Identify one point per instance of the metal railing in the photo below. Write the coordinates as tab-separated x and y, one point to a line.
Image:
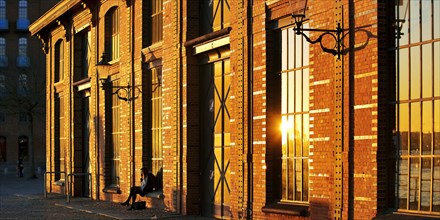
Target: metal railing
69	184
45	182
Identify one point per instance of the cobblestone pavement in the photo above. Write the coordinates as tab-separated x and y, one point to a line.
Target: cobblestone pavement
23	198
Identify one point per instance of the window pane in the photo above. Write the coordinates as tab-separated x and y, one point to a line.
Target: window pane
403	183
291	54
427	127
306	48
427	71
436	186
291	143
298	91
425	184
437	127
437	68
306	90
404	128
298	50
291	179
403	74
415	72
426	20
306	135
436	19
305	180
415	128
298	177
404	14
284	93
284	45
414	184
414	21
291	92
298	136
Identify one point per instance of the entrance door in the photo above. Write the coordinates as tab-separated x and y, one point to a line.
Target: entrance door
216	140
2	149
23	148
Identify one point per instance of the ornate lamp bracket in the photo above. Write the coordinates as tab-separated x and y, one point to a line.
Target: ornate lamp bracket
336	34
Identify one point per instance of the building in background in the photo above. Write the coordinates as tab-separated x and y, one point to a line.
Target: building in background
244	109
22	85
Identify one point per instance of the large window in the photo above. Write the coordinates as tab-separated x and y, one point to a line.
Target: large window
22	88
112	33
59	61
116	137
153	21
216	15
82	55
418	106
59	139
156	121
22	46
294	116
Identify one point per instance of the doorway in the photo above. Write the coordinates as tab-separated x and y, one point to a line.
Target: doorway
216	139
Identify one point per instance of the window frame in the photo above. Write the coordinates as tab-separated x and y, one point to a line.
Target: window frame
417	135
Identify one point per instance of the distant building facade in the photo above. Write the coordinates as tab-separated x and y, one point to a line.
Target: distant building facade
21	80
238	114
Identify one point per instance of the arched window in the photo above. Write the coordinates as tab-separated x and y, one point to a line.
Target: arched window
2	9
2	85
59	60
112	33
2	46
22	9
3	58
22	89
22	46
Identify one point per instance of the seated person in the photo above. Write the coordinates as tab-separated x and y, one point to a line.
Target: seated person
147	185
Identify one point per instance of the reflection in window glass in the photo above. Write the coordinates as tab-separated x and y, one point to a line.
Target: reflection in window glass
404	128
426	127
403	74
414	184
403	13
426	17
436	127
436	186
403	183
418	106
437	68
427	71
415	129
415	72
436	19
414	21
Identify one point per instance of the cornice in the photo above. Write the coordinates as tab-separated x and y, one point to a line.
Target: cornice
52	15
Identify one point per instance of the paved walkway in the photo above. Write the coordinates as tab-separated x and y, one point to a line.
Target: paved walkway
23	198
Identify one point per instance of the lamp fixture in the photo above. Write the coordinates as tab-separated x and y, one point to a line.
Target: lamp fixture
125	93
334	33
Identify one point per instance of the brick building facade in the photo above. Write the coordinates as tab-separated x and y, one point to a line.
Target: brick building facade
238	115
21	85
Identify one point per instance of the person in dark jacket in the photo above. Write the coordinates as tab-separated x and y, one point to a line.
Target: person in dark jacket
148	184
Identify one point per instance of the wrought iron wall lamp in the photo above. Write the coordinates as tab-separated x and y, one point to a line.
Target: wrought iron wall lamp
126	93
336	34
